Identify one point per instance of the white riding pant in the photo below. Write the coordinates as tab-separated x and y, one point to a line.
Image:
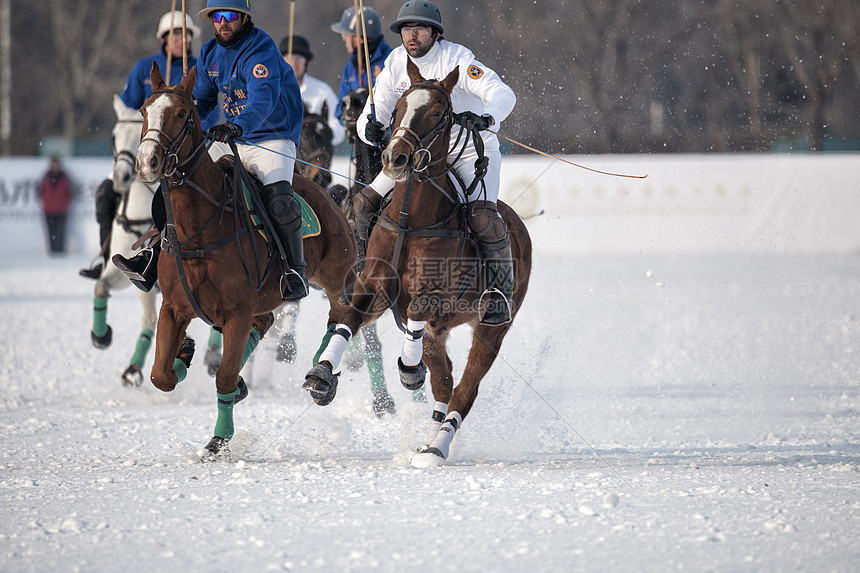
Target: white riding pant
465	169
275	163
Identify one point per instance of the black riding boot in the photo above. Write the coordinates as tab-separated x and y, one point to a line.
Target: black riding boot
106	204
141	269
494	244
365	208
285	213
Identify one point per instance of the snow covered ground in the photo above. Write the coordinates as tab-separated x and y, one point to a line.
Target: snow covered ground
681	411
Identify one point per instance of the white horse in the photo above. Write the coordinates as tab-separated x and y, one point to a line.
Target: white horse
133	220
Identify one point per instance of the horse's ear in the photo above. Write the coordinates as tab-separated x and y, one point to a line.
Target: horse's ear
324	110
187	85
155	78
451	79
412	71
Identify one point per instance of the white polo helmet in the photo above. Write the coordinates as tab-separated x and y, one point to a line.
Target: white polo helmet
174	20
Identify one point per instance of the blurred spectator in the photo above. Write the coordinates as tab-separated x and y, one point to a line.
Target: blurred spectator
56	195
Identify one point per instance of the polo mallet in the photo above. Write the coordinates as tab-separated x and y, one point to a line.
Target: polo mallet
358	58
170	40
367	61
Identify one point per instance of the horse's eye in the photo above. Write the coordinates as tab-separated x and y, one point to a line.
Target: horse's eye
437	114
183	113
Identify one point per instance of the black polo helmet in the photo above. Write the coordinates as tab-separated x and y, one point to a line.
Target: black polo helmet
301	47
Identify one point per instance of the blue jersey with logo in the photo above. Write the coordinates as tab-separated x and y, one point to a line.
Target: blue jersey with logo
351	79
259	89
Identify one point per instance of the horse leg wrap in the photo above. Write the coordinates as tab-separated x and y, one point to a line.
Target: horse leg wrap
224	426
100	326
214	338
413	346
441	444
250	345
144	341
336	346
440	410
373	358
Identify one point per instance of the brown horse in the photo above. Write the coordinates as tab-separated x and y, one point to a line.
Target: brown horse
216	266
421	264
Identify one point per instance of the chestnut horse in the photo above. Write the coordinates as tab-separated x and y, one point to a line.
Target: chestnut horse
421	264
215	265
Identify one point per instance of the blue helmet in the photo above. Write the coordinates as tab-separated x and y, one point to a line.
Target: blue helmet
243	6
349	25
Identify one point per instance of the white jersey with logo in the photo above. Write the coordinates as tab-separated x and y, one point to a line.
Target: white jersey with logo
479	89
315	93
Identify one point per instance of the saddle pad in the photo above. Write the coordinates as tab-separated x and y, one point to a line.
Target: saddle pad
310	222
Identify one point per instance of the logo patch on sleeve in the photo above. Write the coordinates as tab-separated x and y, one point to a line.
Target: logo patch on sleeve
475	72
261	71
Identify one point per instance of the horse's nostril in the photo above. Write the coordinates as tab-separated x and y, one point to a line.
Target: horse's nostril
153	163
399	160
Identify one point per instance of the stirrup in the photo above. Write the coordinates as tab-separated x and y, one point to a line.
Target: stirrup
496	315
296	292
131	266
94	271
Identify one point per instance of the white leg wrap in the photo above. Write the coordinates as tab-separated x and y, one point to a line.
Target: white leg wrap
336	346
440	410
442	441
413	346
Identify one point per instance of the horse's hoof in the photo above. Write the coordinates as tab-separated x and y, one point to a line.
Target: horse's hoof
428	458
132	377
383	404
412	377
287	349
212	360
243	391
102	342
321	383
186	351
217	449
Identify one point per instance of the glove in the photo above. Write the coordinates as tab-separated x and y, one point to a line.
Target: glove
471	120
225	132
374	131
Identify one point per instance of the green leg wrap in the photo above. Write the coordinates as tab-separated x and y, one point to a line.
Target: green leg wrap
99	316
214	338
180	369
253	341
374	366
224	425
328	334
144	341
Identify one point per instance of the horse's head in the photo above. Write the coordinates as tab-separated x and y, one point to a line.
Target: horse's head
421	126
170	125
126	138
351	107
316	148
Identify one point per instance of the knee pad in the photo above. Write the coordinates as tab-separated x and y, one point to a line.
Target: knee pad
486	223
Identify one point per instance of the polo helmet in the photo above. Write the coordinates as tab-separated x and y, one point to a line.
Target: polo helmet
174	20
349	25
243	6
420	11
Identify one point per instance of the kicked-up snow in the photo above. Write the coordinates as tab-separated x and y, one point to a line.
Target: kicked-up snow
693	412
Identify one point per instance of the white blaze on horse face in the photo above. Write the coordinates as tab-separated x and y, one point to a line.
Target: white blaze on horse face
149	146
415	102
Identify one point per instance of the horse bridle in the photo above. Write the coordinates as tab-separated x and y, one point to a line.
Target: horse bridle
171	157
419	147
125	154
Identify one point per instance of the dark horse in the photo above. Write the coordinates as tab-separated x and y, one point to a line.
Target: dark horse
421	264
221	268
316	150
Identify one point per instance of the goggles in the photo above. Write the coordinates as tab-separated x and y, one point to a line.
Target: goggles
229	15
